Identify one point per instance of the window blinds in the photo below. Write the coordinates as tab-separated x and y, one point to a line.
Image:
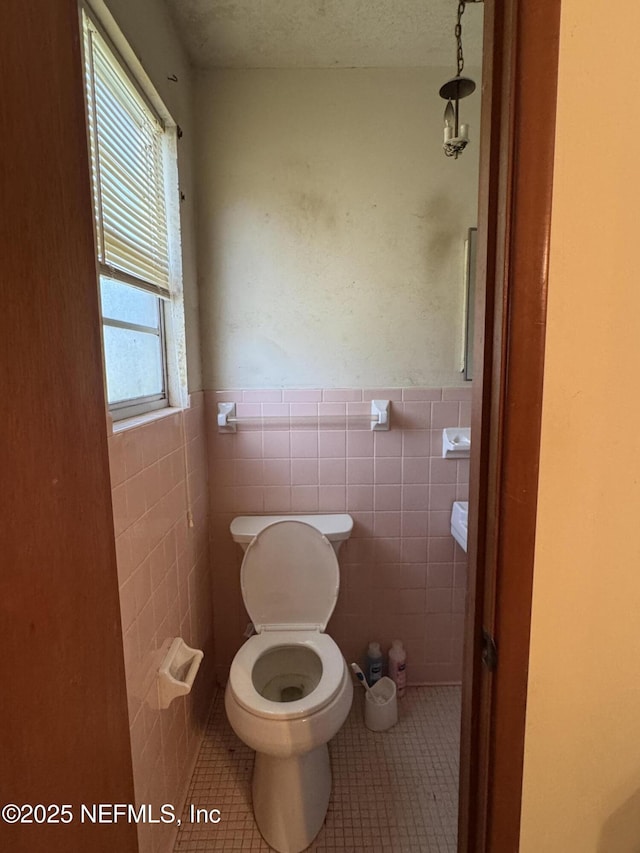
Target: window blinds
127	168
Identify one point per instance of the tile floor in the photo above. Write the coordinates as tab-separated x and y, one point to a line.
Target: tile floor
392	791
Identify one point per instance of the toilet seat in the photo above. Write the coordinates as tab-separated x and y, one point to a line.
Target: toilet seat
290	578
241	683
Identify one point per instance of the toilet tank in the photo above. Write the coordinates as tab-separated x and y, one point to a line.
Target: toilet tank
336	527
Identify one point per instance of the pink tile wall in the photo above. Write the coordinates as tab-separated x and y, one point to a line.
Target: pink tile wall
163	572
402	574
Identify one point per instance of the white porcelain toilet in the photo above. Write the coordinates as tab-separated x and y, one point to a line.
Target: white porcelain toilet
289	688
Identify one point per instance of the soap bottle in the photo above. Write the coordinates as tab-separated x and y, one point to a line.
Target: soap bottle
398	666
374	663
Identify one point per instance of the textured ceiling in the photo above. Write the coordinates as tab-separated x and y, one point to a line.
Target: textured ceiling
326	33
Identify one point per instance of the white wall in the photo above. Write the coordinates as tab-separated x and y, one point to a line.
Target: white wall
582	770
149	31
331	228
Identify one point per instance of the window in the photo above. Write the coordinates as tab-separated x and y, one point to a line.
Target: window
132	152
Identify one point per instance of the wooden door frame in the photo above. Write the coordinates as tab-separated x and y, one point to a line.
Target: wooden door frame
64	728
521	43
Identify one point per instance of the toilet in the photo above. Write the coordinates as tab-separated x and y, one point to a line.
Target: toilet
289	689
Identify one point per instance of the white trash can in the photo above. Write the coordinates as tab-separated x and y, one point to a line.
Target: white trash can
382	714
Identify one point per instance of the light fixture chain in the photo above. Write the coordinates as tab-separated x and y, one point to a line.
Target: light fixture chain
458	35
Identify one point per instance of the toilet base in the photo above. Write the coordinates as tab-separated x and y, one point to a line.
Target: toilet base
291	797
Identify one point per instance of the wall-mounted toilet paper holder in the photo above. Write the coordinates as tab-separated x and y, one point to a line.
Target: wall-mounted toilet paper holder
177	671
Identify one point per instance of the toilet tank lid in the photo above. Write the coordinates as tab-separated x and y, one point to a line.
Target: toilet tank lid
335	526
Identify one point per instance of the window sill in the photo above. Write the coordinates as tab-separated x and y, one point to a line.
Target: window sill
114	427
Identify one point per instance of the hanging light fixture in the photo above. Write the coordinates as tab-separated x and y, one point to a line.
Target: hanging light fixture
456	134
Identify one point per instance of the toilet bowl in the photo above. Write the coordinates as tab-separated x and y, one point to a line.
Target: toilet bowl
289	689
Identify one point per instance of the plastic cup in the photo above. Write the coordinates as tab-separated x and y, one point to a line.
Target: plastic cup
382	714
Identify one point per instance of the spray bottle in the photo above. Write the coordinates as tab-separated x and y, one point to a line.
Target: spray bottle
374	663
398	666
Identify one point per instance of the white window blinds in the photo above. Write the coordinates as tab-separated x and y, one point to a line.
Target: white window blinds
127	142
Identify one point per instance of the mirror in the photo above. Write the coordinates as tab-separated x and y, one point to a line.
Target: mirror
470	286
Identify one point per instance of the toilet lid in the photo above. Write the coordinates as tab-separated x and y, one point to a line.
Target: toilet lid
290	577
